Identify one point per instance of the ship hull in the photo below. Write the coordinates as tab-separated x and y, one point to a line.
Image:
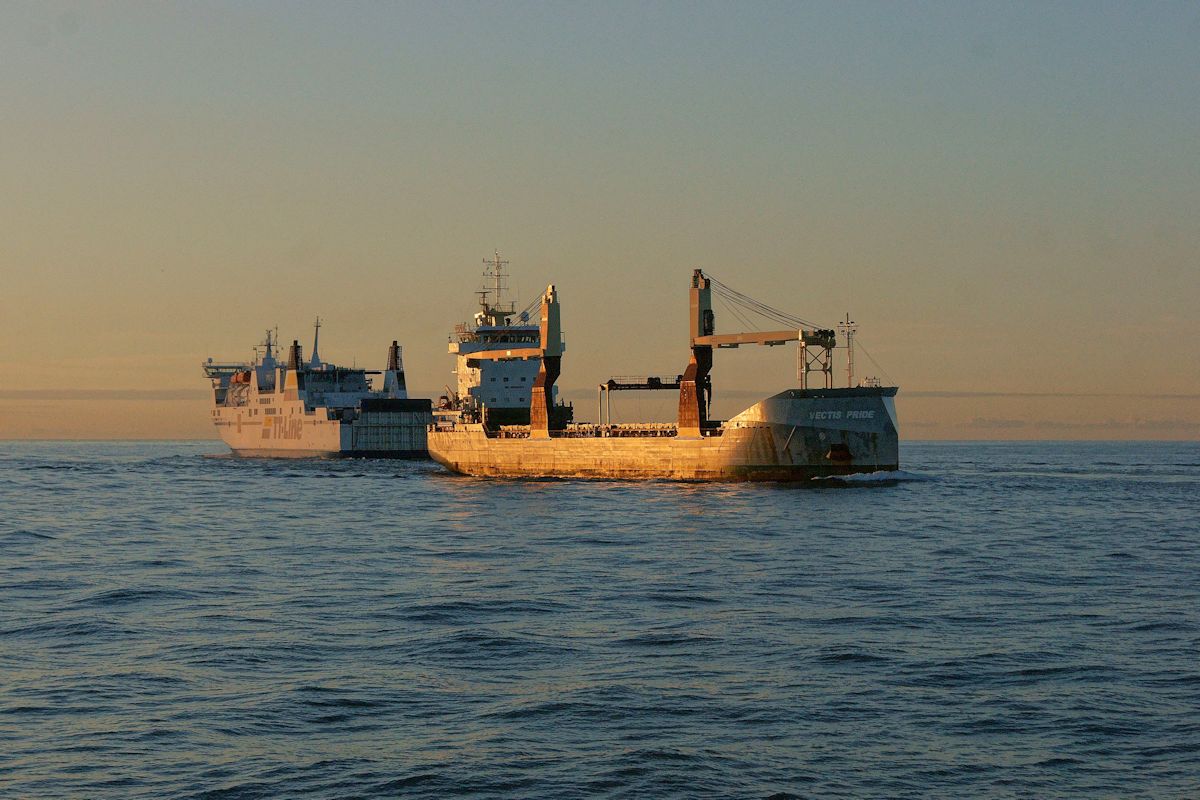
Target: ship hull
380	429
265	453
796	435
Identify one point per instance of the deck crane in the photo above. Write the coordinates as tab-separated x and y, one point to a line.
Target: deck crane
695	387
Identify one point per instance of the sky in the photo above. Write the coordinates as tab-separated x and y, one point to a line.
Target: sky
1004	196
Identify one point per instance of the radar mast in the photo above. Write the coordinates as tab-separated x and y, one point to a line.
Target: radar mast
493	309
315	363
268	345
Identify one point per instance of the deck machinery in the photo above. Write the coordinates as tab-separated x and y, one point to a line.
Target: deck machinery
797	434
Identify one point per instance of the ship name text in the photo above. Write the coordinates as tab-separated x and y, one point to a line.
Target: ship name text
841	415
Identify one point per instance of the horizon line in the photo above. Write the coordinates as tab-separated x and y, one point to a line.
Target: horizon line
198	393
217	440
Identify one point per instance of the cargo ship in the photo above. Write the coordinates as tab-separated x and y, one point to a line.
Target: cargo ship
298	408
795	435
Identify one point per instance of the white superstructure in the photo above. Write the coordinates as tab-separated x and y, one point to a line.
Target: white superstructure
497	389
315	408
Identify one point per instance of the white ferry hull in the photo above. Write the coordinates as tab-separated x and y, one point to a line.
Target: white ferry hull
374	434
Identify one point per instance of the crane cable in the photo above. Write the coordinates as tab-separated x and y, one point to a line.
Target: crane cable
733	310
527	313
733	300
749	304
858	344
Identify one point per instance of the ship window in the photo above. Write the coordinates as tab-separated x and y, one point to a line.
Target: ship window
522	379
506	380
492	379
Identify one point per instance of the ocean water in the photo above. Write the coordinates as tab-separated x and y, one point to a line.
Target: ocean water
998	620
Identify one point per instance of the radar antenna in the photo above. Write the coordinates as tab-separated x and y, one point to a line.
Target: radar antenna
268	345
494	272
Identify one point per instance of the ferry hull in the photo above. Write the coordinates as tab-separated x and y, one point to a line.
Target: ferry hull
264	453
387	432
796	435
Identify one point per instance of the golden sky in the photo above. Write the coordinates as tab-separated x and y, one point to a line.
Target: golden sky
1006	198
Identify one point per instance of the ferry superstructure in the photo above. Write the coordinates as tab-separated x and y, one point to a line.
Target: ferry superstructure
301	408
795	435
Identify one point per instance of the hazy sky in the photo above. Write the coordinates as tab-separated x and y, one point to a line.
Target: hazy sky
1005	196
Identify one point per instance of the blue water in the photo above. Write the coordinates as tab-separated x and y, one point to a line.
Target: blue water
1000	620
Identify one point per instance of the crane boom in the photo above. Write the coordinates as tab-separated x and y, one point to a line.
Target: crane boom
769	338
695	385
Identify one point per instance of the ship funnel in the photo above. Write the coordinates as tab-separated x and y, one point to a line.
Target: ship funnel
393	376
294	356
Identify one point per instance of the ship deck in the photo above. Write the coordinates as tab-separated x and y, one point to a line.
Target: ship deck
589	431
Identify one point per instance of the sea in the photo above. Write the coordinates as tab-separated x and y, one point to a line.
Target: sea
996	620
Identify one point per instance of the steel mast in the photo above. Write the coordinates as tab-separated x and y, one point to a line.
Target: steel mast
848	328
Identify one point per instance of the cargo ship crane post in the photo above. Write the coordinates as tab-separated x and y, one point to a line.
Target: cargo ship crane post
695	389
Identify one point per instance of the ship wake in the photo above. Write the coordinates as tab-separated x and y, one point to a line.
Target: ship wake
882	477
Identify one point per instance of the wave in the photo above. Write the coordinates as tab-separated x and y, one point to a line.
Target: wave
437	636
881	476
23	532
466	611
133	594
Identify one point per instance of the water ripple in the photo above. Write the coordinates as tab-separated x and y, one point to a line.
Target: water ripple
997	620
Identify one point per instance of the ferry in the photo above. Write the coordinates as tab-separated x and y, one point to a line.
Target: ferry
313	408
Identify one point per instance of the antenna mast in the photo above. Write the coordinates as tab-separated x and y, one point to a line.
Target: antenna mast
495	271
847	328
316	359
268	345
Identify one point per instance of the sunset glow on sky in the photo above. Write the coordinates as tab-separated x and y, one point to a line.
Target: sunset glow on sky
1006	197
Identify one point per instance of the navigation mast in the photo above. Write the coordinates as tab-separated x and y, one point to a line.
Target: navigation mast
268	345
495	271
315	362
492	310
848	328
